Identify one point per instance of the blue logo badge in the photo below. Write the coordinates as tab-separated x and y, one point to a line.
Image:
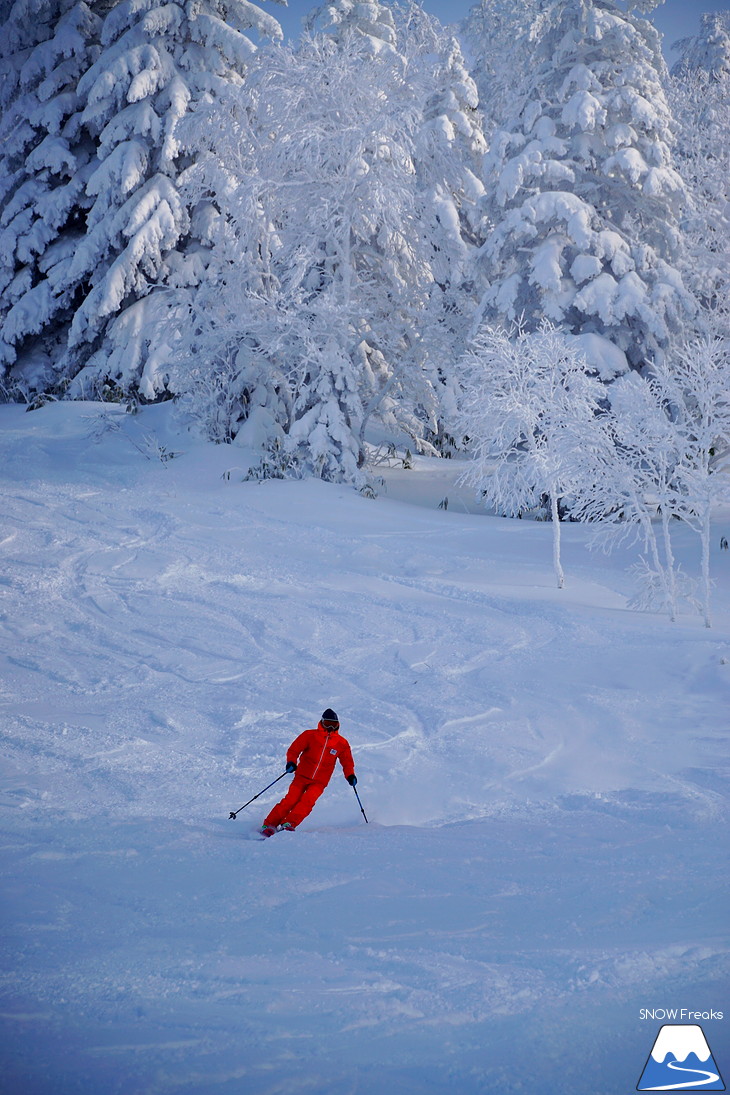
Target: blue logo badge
680	1060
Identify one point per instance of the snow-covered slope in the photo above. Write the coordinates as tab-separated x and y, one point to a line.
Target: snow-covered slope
544	773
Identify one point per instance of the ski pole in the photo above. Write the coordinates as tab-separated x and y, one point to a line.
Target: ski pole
234	812
360	804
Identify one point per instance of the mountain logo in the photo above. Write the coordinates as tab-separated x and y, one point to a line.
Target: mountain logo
681	1060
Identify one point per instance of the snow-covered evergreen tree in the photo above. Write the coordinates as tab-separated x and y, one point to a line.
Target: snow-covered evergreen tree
583	197
500	38
369	20
449	136
46	158
141	239
700	96
96	233
323	272
449	145
708	51
345	275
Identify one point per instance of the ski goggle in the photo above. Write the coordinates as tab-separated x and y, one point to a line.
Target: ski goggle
330	725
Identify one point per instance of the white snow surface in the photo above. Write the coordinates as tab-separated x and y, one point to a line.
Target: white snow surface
544	773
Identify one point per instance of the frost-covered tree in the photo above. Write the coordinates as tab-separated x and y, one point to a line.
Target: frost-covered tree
700	97
623	482
528	406
656	454
322	271
583	197
142	240
369	20
98	129
695	389
449	145
708	51
500	35
46	158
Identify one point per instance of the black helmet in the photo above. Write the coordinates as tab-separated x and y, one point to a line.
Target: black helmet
330	716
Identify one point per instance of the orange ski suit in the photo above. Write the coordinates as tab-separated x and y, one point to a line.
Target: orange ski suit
314	752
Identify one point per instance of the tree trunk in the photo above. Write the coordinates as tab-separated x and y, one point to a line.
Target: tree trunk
556	538
705	534
671	574
650	541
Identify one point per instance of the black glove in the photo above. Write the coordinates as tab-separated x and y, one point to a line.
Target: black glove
291	766
352	780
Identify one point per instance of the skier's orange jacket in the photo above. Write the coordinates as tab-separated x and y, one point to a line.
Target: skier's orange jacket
315	751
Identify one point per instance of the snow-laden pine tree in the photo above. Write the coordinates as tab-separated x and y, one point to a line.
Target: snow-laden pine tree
700	97
499	35
369	20
46	159
142	241
105	140
583	197
322	273
708	51
449	145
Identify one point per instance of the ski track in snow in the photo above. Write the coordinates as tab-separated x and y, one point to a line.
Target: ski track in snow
545	773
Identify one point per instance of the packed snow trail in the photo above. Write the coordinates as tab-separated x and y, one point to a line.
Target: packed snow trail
545	773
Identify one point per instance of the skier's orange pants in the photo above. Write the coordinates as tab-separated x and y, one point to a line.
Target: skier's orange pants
297	803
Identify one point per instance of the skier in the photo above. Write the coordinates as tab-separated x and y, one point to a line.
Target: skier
311	757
